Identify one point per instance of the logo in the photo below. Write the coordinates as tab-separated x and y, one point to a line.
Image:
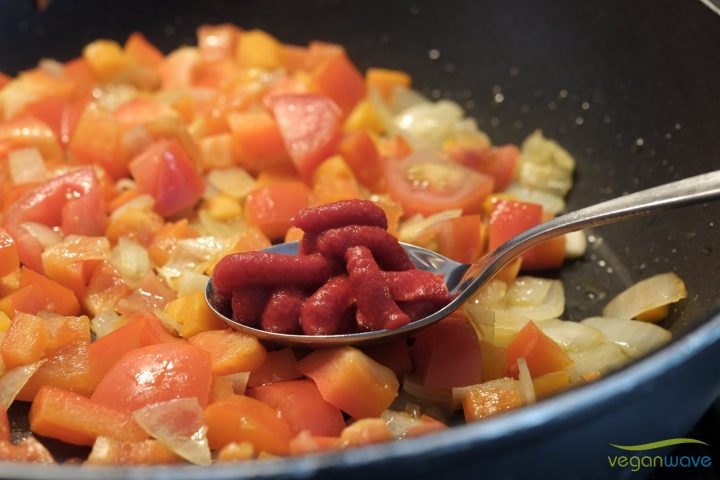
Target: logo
635	462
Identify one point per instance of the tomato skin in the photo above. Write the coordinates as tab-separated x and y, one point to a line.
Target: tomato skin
310	127
498	162
156	373
165	171
467	192
49	204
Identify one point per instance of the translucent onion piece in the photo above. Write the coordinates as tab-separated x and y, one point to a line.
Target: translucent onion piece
527	390
239	381
191	281
27	165
19	93
399	423
142	202
235	181
78	248
491	295
114	95
633	337
221	229
135	140
575	244
168	322
402	98
51	67
130	259
193	255
177	424
106	321
507	325
418	228
572	336
382	112
429	124
601	359
14	380
551	203
536	298
646	295
545	165
467	134
483	320
438	396
46	236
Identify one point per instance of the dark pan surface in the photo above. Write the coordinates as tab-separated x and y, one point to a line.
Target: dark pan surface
629	88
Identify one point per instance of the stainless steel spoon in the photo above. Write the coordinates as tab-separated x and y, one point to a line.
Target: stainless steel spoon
464	279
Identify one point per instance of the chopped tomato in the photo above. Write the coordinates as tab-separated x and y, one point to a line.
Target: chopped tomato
165	171
280	366
360	153
540	352
440	348
155	373
393	354
25	341
301	405
37	292
257	140
310	127
351	381
271	207
72	201
497	162
338	79
9	260
96	140
427	185
139	49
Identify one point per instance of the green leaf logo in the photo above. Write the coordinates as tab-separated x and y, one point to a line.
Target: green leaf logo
658	444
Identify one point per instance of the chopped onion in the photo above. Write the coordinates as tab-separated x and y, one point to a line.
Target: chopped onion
507	325
19	93
439	396
177	424
168	322
467	134
51	67
399	423
649	294
135	140
235	181
575	244
130	259
483	320
191	281
27	165
382	112
402	98
126	184
106	321
113	95
221	229
216	150
536	298
193	255
142	202
429	124
633	337
491	295
150	294
601	359
417	229
46	236
527	390
239	382
545	165
572	336
14	380
551	203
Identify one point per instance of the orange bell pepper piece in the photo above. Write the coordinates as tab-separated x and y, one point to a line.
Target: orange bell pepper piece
542	354
280	366
25	341
9	260
384	80
67	369
230	351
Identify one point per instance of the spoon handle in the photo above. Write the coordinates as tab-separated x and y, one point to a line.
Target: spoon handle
688	191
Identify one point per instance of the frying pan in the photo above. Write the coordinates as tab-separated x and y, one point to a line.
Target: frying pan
629	88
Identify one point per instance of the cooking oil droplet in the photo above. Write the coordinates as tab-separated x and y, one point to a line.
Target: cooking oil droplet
434	54
579	121
525	108
563	93
514	71
494	121
678	126
585	106
435	93
552	106
607	120
470	104
668	136
498	98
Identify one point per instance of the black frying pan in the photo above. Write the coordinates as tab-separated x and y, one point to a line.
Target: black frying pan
648	71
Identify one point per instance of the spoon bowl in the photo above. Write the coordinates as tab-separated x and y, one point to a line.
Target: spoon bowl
464	279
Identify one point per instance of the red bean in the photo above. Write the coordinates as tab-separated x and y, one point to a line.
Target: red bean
282	312
385	248
376	308
340	214
324	311
265	269
248	304
413	285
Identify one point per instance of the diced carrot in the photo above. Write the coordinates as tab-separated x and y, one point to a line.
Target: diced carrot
139	49
488	399
193	313
338	79
109	451
67	369
25	342
75	419
230	351
29	450
280	366
393	354
384	80
140	111
550	383
509	272
301	405
140	330
494	361
351	381
221	388
367	431
50	295
364	118
256	140
305	443
244	419
550	254
270	208
360	153
9	260
542	354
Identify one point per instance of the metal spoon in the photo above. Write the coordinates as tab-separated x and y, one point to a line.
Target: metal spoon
464	279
